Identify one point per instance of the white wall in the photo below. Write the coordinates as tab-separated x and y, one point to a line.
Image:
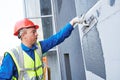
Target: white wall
109	30
10	12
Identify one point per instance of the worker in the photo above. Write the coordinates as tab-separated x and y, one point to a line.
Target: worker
24	62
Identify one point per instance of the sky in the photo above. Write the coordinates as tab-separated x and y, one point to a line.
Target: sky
10	12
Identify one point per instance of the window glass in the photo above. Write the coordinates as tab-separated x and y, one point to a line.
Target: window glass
112	2
45	7
32	8
47	26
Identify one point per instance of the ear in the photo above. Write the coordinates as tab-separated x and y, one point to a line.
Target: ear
23	35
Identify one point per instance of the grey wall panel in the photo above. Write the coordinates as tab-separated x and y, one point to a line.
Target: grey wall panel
72	46
93	53
65	11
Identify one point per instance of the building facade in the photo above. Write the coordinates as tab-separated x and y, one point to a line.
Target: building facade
88	57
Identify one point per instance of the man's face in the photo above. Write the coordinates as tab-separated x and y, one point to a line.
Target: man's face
31	35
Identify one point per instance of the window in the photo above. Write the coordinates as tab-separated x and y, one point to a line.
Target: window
67	66
47	17
47	26
111	2
45	7
41	12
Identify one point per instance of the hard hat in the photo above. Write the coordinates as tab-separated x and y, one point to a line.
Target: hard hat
25	23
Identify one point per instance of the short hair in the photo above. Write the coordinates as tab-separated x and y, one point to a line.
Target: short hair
21	31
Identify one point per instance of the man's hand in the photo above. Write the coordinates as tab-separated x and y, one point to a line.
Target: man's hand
78	20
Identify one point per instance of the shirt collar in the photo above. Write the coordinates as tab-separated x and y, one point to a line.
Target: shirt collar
25	48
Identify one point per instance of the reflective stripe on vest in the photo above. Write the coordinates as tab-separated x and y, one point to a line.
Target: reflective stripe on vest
33	70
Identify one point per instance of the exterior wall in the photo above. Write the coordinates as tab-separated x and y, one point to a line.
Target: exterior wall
92	57
101	44
91	47
70	50
109	31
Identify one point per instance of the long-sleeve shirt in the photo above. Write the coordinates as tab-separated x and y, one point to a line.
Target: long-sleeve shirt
8	67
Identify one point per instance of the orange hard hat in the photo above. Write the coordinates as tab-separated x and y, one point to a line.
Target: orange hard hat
25	23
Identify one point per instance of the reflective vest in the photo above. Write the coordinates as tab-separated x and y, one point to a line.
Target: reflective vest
27	68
